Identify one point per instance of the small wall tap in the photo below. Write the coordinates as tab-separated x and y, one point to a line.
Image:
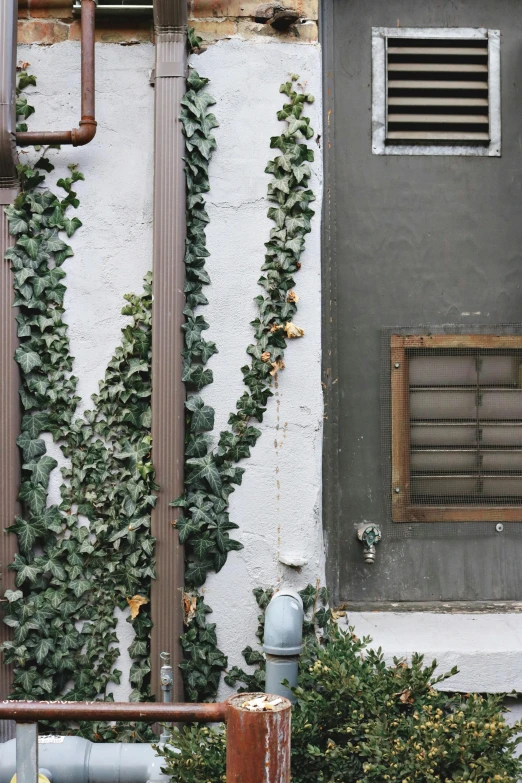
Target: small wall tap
370	535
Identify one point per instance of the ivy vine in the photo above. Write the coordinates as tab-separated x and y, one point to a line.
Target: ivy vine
70	575
212	471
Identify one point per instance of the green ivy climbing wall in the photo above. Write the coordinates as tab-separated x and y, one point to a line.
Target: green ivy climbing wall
70	576
212	472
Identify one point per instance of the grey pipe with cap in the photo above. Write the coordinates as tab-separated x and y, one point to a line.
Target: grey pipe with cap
283	642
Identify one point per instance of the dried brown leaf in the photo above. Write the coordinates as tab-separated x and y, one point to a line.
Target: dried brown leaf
277	365
291	330
135	602
292	297
406	697
265	356
190	603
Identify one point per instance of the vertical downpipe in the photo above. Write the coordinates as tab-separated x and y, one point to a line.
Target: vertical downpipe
168	397
9	398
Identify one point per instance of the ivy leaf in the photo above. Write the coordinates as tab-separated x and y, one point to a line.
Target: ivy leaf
35	495
34	424
13	595
202	419
197	445
31	447
278	214
41	469
195	574
71	226
27	359
185	527
26	571
27	530
30	245
206	468
79	587
42	650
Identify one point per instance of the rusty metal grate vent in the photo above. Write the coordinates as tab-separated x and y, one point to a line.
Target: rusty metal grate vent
457	428
437	91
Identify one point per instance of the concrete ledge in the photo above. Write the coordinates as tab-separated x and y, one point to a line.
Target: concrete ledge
487	649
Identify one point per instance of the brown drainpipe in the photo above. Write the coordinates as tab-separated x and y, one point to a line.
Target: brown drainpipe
10	381
87	130
168	396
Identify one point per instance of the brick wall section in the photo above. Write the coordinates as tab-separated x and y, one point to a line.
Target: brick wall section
52	21
48	22
216	19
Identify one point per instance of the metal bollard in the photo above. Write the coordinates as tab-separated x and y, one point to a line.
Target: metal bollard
258	740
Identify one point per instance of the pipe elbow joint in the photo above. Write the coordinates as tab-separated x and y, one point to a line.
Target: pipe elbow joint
284	624
85	133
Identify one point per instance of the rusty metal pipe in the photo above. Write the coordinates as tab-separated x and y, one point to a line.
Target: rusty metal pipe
33	711
87	125
258	743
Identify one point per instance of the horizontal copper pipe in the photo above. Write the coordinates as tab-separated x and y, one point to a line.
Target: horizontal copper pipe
33	711
87	125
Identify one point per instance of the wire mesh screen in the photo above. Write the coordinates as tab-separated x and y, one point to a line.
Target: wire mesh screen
452	429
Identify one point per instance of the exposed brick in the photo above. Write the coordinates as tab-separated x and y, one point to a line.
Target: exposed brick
297	33
41	32
213	29
206	9
50	13
50	9
308	9
136	31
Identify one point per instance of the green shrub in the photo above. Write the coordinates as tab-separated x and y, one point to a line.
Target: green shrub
359	720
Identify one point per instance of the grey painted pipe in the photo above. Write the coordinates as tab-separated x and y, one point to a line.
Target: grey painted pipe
76	760
283	642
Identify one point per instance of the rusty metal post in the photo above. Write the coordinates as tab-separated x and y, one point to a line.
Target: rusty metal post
258	741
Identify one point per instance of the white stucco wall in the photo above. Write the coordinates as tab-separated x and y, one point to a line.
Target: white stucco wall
278	506
113	249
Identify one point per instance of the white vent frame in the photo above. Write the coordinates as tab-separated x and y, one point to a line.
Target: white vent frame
379	91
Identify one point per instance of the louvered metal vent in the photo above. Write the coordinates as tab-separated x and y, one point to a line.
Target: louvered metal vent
437	91
466	426
457	428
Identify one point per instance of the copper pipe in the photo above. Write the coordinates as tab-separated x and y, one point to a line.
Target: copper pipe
33	711
87	126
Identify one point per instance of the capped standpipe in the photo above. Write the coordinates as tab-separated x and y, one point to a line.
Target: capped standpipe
167	681
283	642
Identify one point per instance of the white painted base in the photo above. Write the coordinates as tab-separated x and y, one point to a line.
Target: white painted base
486	648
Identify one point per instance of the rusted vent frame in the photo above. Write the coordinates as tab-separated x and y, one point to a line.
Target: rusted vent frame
258	736
384	145
404	509
437	90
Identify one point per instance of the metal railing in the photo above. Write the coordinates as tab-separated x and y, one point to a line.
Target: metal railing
258	730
